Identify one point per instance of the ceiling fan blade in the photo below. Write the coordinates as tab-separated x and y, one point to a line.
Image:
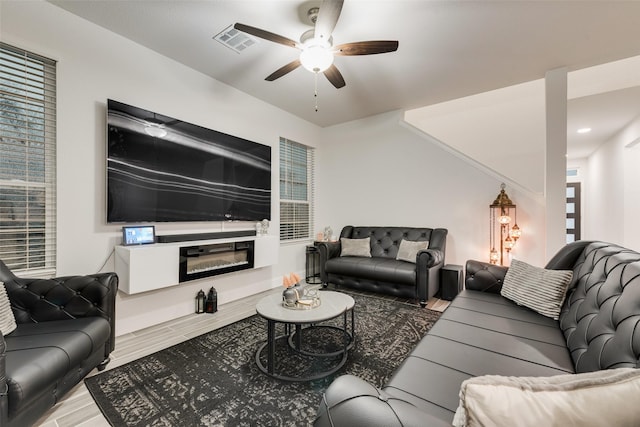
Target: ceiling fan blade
283	70
327	18
272	37
366	48
333	75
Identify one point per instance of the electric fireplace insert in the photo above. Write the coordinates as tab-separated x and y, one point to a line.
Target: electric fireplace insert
201	261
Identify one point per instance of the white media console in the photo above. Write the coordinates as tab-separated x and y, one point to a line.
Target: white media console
149	267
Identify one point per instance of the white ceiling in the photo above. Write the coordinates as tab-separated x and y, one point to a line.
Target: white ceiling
447	49
605	113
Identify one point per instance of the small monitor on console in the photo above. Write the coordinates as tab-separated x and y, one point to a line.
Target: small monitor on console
138	235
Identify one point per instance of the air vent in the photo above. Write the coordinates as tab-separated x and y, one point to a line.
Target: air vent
234	39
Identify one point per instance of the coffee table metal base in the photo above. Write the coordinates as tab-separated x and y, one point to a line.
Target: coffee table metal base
294	339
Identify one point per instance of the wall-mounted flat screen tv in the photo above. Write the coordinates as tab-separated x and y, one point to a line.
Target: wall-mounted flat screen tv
160	169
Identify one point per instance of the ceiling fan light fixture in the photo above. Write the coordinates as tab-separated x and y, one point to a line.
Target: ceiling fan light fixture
316	57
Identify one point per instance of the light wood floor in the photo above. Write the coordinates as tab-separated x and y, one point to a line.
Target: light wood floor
77	408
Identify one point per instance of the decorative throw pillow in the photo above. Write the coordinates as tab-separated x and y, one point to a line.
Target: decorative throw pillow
592	399
7	320
355	247
536	288
408	250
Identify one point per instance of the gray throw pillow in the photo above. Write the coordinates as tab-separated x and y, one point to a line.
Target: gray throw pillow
536	288
7	319
355	247
408	250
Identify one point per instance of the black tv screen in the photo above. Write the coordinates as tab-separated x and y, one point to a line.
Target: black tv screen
160	169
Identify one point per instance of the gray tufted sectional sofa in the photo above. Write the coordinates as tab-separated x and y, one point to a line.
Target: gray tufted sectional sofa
382	272
483	333
65	329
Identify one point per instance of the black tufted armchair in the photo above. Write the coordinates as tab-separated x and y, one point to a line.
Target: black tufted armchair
65	329
382	272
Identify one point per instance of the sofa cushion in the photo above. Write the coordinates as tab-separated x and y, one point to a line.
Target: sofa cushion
378	269
7	319
41	354
590	400
539	289
408	250
497	305
478	334
355	247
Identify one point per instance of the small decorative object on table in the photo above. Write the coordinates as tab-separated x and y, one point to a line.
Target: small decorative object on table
328	232
264	227
297	296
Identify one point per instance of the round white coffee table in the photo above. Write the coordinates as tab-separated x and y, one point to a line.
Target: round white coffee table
332	305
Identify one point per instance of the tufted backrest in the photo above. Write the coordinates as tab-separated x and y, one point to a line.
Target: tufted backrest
385	241
59	298
601	315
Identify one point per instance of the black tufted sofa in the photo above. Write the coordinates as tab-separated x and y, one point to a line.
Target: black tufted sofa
382	272
66	328
482	333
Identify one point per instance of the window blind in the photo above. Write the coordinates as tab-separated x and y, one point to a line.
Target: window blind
296	190
27	160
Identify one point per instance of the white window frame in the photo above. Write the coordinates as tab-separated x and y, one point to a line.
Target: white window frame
296	212
28	167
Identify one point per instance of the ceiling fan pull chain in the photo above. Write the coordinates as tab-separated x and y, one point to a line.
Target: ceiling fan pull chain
315	93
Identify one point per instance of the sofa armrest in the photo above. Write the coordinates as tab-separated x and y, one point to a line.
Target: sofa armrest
484	277
430	257
327	251
352	402
428	264
70	297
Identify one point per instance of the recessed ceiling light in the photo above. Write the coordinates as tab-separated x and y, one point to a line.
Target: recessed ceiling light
584	130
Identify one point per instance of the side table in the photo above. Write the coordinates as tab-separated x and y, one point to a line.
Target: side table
451	281
312	265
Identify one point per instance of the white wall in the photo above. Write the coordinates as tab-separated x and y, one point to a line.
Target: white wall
632	188
503	129
94	65
555	165
378	171
611	194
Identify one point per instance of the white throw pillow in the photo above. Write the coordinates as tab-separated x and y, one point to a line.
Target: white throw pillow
355	247
537	288
408	250
593	399
7	319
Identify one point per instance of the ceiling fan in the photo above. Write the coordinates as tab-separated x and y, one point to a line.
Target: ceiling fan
316	45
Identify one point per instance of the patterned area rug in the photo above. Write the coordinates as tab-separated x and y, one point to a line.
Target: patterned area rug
213	380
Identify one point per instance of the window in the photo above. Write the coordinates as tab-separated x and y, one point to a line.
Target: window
296	190
27	160
573	211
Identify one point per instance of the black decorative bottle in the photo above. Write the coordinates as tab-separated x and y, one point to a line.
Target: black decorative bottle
211	305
